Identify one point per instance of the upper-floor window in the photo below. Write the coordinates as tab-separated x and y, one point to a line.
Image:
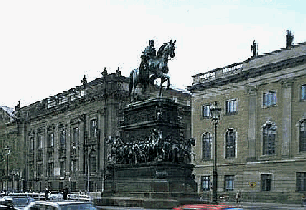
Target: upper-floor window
301	181
32	143
303	92
231	106
269	98
302	136
50	140
230	144
75	136
206	110
269	138
93	128
266	181
39	141
207	139
62	138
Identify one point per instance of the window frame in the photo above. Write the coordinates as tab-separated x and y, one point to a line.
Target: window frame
301	179
266	140
206	111
210	138
266	182
303	92
229	179
207	181
228	150
269	98
302	135
231	106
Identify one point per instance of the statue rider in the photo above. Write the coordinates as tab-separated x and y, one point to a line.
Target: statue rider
148	54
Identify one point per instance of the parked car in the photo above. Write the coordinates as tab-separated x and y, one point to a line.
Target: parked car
206	207
60	205
19	201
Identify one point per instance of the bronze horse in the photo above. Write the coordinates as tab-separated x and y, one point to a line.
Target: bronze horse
152	68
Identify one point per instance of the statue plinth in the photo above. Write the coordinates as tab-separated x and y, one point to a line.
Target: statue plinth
150	164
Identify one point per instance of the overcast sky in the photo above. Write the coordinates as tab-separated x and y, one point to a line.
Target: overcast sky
46	47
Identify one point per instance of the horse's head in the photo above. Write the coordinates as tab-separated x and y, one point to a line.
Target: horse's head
171	48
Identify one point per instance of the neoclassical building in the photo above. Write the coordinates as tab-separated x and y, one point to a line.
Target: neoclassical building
261	135
62	140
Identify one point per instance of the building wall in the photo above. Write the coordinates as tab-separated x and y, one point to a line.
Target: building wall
250	165
44	162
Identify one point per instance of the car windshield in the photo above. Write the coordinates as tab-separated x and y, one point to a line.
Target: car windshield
82	206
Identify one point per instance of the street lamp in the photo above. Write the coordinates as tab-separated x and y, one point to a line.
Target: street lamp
7	165
215	116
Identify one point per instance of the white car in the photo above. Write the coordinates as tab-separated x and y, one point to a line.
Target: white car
60	205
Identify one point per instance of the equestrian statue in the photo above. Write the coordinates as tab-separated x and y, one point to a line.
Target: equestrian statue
153	66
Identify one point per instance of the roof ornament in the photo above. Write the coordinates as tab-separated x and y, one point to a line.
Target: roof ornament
289	39
254	49
104	73
84	81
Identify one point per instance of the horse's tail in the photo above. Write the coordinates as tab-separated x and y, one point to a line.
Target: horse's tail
131	84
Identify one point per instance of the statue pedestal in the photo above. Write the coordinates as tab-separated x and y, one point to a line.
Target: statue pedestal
150	171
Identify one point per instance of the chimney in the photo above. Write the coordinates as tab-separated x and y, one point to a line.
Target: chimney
289	39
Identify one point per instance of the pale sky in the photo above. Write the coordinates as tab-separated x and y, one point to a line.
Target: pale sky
46	47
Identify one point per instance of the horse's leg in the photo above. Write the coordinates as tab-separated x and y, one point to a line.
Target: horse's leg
168	85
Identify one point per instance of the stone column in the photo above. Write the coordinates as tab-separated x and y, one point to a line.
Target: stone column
252	95
286	117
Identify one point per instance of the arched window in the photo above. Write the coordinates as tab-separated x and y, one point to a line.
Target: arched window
302	135
269	137
230	144
206	145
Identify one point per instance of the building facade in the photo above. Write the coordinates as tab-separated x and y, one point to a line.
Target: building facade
261	134
64	138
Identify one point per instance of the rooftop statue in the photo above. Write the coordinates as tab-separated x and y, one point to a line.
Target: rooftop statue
153	65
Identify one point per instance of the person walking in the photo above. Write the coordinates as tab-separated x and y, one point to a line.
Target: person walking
238	195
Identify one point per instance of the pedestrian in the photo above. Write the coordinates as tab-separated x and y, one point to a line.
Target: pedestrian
238	195
65	193
47	194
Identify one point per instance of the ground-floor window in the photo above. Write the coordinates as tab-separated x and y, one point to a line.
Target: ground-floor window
301	181
228	183
205	182
266	180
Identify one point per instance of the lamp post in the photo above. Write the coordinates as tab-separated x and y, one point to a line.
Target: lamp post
215	116
7	165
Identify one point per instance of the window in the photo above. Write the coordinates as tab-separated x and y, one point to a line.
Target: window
269	99
50	140
75	137
230	144
93	128
303	92
62	138
62	168
32	143
302	136
93	163
266	180
301	181
40	142
231	106
205	182
50	169
207	139
206	111
269	136
229	183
